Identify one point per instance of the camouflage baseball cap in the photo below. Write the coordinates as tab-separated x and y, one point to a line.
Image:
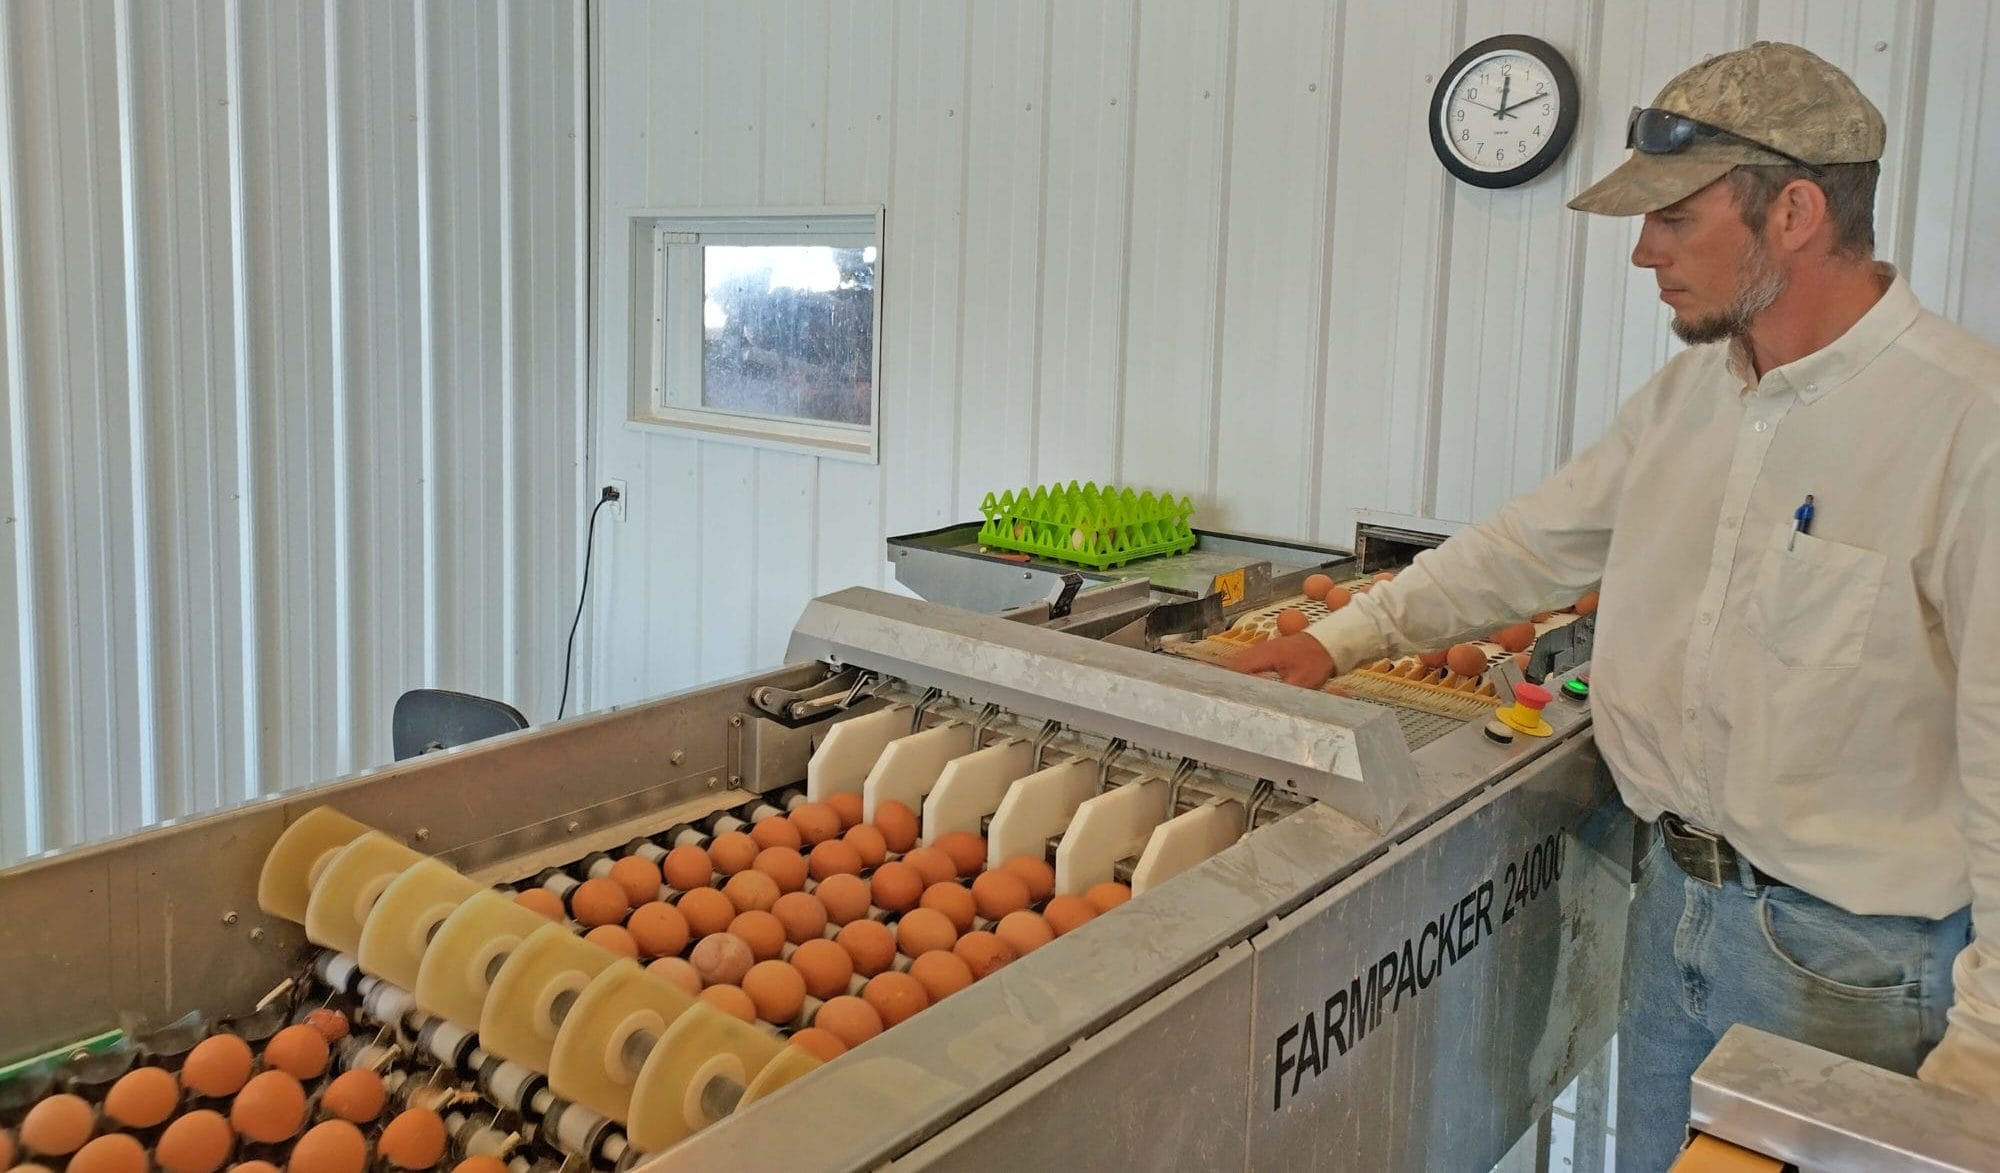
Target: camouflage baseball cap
1771	93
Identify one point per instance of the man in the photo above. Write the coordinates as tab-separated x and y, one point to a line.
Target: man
1797	669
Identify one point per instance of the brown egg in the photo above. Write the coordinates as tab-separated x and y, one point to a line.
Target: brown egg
677	971
480	1164
299	1051
218	1066
1434	659
835	857
1034	871
952	899
58	1125
776	831
867	841
731	1000
942	974
1541	617
706	911
822	1045
1465	659
355	1095
1337	597
722	959
816	822
8	1150
934	864
331	1146
1066	914
615	939
846	804
895	996
331	1024
802	916
967	851
924	930
784	865
1521	661
198	1142
639	877
1586	605
846	898
998	893
870	944
762	931
824	966
732	851
776	989
898	824
1292	621
982	953
896	887
543	901
143	1097
1024	931
849	1019
658	928
1316	586
687	866
598	902
751	889
414	1140
113	1153
1515	638
1384	575
1107	896
270	1108
253	1167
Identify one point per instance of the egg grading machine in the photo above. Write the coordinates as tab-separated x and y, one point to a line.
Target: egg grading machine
1399	966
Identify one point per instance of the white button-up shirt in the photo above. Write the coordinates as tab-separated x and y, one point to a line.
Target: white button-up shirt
1829	700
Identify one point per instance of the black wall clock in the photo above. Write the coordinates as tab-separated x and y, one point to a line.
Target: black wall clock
1504	111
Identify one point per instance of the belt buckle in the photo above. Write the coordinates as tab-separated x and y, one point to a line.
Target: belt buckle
1712	842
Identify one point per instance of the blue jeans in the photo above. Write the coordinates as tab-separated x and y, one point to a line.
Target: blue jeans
1698	959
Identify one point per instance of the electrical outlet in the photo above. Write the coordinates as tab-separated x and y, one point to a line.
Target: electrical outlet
618	503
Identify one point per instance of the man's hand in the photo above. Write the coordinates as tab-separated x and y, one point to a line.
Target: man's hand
1297	659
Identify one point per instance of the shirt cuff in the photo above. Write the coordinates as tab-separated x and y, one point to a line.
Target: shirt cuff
1350	637
1965	1061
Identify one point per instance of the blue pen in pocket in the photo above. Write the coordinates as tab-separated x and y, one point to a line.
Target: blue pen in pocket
1802	519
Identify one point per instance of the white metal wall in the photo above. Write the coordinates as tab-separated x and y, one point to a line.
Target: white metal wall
1199	245
291	356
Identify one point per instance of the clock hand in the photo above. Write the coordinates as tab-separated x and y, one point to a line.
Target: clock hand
1506	110
1481	105
1505	83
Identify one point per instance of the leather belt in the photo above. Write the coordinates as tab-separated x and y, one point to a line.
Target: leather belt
1706	856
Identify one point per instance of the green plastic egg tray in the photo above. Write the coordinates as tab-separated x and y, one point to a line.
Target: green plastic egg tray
1086	525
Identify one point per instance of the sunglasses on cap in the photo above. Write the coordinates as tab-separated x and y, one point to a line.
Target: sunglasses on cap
1653	131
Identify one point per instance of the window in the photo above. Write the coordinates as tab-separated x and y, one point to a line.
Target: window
759	326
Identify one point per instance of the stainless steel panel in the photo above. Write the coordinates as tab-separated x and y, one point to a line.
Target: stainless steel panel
166	920
1101	1105
1818	1110
1424	1013
1346	753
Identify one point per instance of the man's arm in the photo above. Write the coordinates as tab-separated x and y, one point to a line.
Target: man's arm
1965	587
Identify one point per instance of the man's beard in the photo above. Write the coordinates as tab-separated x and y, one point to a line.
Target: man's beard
1762	284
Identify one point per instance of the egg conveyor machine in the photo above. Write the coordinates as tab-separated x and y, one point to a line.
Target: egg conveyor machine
1339	951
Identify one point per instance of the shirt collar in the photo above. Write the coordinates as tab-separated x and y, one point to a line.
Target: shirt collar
1831	365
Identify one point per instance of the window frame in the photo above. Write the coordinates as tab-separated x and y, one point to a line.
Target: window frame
651	405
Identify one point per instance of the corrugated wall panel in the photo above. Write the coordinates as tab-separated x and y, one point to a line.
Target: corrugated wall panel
1187	267
214	219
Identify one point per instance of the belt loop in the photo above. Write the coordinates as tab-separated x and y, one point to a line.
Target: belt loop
1746	874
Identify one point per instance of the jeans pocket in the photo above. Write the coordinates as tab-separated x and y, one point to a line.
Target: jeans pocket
1846	955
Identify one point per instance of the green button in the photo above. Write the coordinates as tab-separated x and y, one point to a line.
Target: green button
1576	690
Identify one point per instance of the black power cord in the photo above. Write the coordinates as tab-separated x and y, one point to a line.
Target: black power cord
605	497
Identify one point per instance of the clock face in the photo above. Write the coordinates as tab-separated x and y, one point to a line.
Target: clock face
1504	110
1500	111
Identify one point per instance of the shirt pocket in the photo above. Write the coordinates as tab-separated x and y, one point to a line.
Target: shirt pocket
1815	599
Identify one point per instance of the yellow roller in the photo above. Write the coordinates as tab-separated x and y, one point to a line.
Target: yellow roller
295	861
790	1063
702	1045
519	1020
452	980
348	887
398	930
590	1063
